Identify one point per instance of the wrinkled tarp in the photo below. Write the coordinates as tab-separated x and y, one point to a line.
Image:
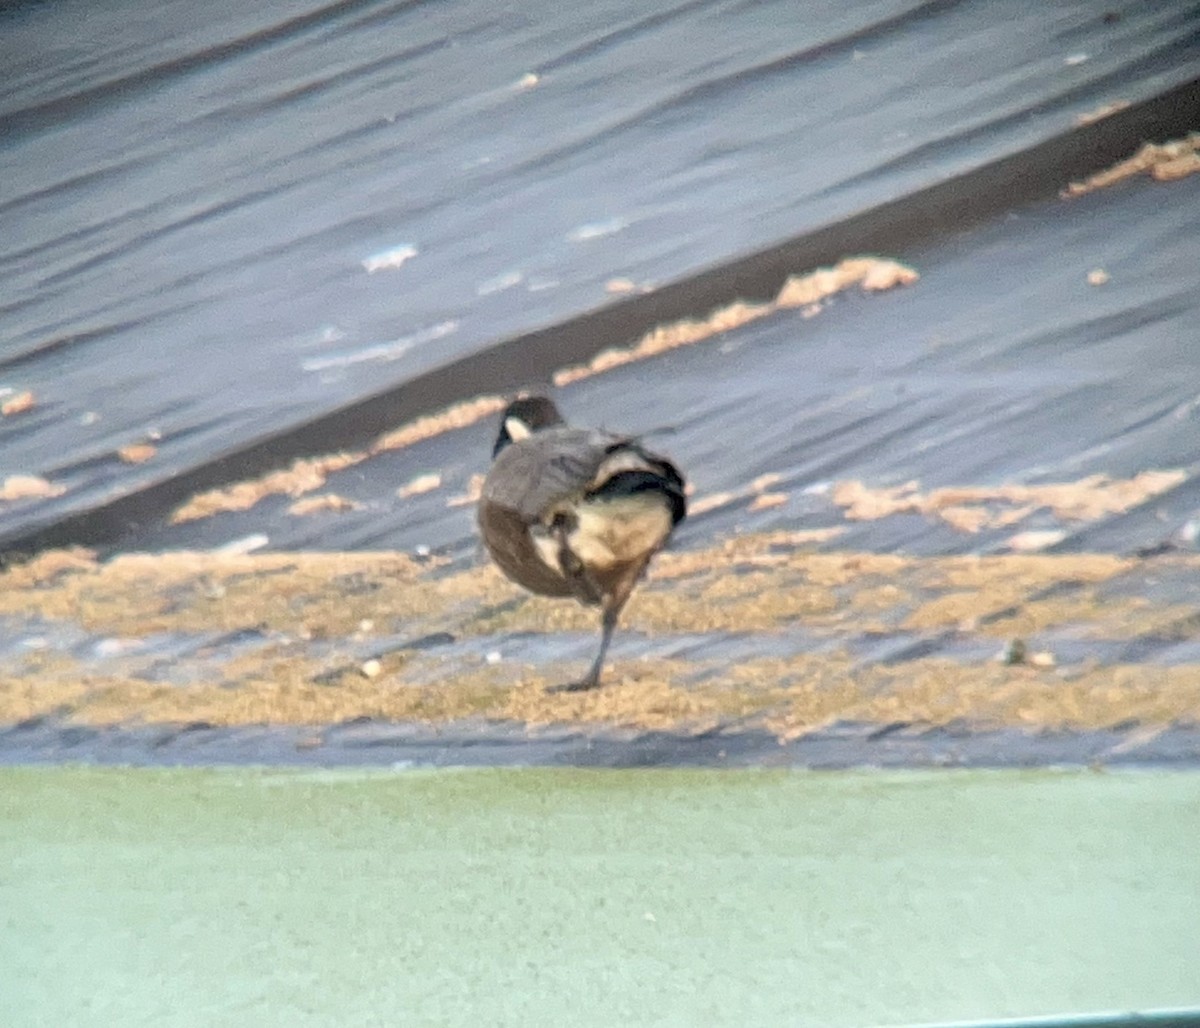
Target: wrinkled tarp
191	203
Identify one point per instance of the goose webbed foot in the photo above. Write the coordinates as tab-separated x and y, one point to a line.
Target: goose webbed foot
583	685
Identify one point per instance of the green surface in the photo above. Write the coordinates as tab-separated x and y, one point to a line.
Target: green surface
575	897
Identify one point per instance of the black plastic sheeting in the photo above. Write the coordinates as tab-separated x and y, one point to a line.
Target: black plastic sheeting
190	197
1001	365
372	744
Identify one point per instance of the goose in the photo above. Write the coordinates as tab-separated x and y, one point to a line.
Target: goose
576	512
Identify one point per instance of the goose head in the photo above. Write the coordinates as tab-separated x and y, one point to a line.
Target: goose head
523	417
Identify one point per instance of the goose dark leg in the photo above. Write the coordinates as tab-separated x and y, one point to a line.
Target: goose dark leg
591	680
613	604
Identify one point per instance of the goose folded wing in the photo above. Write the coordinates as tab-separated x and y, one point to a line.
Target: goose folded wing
555	466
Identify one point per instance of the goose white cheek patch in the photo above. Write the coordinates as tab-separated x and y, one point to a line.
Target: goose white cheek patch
516	429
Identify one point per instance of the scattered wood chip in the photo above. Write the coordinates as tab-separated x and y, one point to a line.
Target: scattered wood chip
1163	162
764	482
137	453
964	519
303	476
765	501
325	501
421	484
309	474
459	415
1100	112
28	487
18	404
472	494
800	291
882	275
972	508
713	501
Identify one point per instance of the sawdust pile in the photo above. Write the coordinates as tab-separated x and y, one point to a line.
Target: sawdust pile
310	473
321	638
974	508
1164	162
303	476
806	292
459	415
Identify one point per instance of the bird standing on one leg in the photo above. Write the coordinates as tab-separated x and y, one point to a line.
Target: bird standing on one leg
576	512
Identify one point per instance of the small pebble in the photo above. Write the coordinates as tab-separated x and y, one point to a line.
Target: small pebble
1015	652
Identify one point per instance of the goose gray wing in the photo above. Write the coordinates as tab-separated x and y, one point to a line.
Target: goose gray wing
534	477
564	510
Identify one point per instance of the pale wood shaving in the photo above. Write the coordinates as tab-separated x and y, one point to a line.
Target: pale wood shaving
1163	162
303	476
323	502
18	404
28	487
972	508
803	291
1103	111
421	484
137	453
459	415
